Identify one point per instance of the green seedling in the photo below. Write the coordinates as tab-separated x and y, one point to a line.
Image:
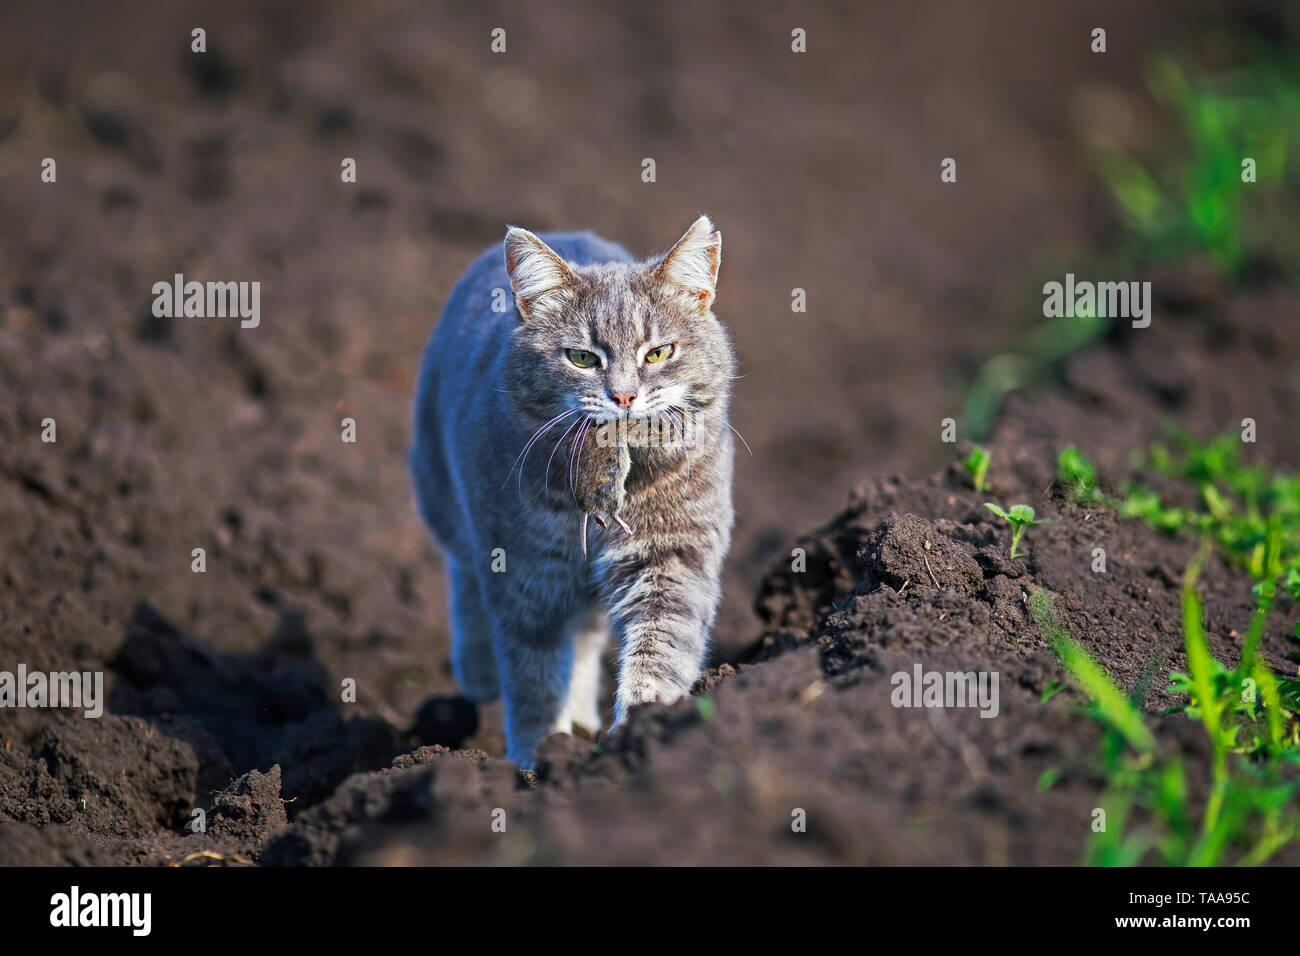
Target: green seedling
1150	507
1249	811
1292	583
1047	342
1077	474
977	463
1047	779
1021	518
1193	201
1051	690
1201	204
1249	511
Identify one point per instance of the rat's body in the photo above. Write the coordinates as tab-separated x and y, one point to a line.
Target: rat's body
600	471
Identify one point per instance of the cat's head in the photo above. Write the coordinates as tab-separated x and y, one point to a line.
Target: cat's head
633	340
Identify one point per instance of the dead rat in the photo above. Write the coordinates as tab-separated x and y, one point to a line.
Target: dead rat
600	470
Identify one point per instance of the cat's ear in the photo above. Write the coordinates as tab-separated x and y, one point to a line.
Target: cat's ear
691	266
538	276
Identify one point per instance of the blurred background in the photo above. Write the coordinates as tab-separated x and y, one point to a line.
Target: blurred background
821	168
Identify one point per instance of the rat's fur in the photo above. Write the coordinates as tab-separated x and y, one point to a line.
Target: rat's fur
600	469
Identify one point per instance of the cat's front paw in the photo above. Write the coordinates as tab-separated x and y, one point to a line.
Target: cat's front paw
642	692
524	757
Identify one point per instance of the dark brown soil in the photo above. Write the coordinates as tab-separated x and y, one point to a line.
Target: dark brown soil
911	571
224	688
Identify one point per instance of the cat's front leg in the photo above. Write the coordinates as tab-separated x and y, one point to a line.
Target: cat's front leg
661	600
535	675
534	652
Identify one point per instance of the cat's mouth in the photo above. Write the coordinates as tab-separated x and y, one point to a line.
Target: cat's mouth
659	425
603	414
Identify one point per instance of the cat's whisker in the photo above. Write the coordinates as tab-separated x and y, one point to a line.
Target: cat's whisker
731	426
741	437
578	444
537	436
546	473
527	445
693	410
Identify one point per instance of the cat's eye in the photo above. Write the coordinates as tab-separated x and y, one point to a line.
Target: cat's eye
582	358
659	354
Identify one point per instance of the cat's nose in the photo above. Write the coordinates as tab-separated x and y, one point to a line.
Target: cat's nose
624	399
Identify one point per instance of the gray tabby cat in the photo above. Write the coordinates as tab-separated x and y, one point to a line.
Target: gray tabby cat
507	406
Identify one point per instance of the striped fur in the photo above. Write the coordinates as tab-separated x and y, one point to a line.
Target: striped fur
501	415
